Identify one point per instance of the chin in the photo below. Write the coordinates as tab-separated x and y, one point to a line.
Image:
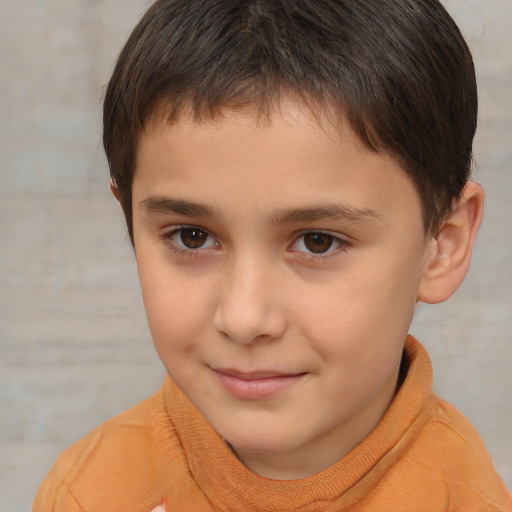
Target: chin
258	446
266	439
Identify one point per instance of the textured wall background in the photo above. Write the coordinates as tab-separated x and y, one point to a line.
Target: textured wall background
74	345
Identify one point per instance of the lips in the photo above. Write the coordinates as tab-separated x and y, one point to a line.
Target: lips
256	385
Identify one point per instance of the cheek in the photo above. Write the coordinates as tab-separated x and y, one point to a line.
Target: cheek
176	308
360	321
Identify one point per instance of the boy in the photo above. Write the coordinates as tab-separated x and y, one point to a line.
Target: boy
294	177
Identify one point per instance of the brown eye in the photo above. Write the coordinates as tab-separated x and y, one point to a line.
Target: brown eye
193	238
318	243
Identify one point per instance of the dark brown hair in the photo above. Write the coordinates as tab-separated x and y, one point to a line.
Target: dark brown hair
399	71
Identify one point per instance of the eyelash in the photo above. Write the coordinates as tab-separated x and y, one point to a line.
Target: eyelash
186	251
342	244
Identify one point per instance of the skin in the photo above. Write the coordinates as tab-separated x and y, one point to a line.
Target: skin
229	217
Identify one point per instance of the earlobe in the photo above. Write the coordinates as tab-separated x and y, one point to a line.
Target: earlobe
452	246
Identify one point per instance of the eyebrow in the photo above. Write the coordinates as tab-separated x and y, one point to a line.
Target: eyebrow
336	212
163	204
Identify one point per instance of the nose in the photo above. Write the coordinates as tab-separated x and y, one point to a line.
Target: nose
250	308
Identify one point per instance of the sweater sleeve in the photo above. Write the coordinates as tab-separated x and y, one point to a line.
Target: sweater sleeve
54	494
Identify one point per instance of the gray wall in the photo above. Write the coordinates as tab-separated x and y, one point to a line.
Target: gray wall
74	345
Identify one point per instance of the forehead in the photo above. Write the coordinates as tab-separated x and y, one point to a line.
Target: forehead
240	159
294	107
249	125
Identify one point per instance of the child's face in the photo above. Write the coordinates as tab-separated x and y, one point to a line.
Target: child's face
279	263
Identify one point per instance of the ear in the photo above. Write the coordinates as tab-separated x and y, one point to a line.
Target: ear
452	246
115	191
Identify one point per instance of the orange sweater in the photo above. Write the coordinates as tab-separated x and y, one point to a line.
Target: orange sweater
163	455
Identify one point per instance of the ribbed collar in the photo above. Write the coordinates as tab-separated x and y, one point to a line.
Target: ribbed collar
229	485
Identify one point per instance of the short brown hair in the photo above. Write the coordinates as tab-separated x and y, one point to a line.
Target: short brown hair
399	71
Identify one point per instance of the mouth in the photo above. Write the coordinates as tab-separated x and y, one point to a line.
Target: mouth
256	385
